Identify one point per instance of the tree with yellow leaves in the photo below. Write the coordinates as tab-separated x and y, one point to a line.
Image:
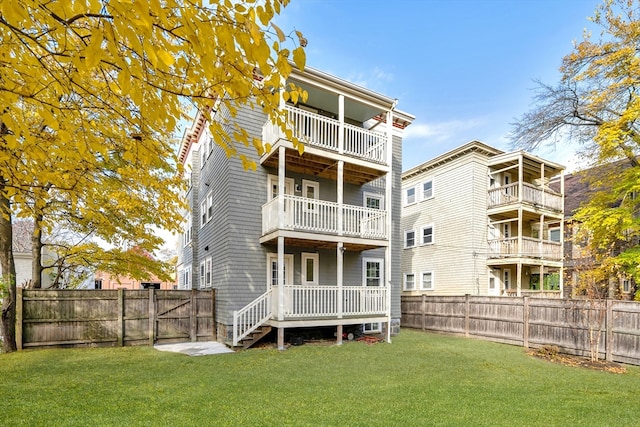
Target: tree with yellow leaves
91	92
597	104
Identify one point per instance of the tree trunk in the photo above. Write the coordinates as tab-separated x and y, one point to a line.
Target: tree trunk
8	279
36	253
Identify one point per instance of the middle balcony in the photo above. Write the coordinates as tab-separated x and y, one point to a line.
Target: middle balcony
312	222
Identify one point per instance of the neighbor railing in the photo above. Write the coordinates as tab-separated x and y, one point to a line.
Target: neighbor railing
530	194
531	248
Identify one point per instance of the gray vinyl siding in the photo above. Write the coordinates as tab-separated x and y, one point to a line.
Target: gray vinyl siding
396	234
232	235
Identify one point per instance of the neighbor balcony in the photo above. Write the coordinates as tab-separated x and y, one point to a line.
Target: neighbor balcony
531	194
531	248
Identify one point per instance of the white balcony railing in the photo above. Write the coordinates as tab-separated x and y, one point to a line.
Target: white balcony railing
323	132
531	248
303	214
313	301
531	194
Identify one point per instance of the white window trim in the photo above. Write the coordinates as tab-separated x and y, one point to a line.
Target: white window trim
186	236
626	280
433	189
404	282
554	229
210	206
406	232
202	273
506	274
316	267
186	282
288	259
273	180
405	201
433	235
369	195
364	270
208	273
203	213
311	208
422	287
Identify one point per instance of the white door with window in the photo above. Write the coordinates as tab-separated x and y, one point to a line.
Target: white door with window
494	289
506	279
272	269
288	190
372	275
372	222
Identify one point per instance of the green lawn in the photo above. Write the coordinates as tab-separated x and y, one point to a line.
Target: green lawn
420	379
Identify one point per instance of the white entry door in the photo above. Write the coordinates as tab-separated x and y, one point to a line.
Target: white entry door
272	269
494	287
373	275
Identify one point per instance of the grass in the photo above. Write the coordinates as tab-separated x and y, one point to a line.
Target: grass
420	379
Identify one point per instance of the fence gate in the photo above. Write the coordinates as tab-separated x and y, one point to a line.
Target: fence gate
113	317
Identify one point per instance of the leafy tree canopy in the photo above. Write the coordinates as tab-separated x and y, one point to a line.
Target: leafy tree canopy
597	104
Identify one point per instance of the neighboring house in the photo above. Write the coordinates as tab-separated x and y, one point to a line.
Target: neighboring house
479	221
306	240
577	259
23	258
104	280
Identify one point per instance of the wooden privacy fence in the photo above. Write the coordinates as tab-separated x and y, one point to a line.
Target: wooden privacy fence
113	317
533	322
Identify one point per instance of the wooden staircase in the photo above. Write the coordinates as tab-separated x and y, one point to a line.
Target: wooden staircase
255	336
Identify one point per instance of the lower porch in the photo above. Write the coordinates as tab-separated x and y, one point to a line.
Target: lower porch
296	306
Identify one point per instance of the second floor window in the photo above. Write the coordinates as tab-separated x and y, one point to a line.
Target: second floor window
427	190
410	196
427	235
409	239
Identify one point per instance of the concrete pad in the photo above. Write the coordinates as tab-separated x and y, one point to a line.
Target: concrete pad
195	348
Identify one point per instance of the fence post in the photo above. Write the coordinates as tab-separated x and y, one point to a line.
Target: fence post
424	309
19	317
466	315
214	327
608	341
193	330
152	317
525	322
120	309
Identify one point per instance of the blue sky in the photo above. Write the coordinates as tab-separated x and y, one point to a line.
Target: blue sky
464	68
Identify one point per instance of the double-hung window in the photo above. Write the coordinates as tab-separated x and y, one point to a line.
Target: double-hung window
426	280
409	238
208	272
427	235
410	196
427	190
409	281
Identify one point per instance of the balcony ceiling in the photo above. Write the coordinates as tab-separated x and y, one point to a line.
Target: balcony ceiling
323	167
319	244
328	101
531	164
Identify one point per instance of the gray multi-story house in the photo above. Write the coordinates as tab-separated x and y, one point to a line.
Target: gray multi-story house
304	241
480	221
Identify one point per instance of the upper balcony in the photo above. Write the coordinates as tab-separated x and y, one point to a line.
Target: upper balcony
533	196
326	140
529	248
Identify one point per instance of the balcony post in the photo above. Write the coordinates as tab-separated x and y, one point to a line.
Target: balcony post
341	124
340	197
281	172
519	278
520	179
542	196
339	276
